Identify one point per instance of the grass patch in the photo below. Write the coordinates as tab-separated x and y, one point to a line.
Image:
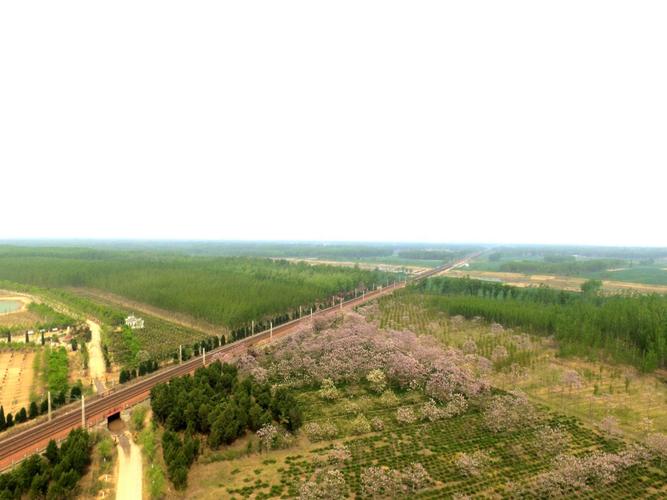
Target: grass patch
56	369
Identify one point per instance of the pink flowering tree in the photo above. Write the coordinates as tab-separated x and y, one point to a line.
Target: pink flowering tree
510	412
325	484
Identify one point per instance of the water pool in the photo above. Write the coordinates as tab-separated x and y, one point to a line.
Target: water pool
7	306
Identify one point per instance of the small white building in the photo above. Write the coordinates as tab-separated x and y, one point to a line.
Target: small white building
133	322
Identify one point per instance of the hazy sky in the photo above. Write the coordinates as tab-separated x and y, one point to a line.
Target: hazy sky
492	121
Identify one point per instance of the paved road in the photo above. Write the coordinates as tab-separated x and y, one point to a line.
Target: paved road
15	446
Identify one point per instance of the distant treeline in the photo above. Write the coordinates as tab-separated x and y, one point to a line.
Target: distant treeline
630	329
225	291
639	253
336	251
562	266
306	250
425	254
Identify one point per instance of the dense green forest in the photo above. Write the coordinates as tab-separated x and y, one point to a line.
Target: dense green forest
226	291
52	476
216	402
630	329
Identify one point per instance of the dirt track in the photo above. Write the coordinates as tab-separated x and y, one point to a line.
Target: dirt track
129	485
96	364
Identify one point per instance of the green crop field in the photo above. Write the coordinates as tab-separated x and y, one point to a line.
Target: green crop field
648	275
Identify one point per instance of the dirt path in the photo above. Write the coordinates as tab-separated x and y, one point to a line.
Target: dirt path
96	364
129	485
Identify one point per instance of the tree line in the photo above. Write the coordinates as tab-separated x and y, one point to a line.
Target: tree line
35	409
219	404
53	475
629	329
228	291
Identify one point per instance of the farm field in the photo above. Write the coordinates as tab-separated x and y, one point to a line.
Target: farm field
571	283
180	319
158	339
636	267
648	275
16	379
515	459
588	390
364	436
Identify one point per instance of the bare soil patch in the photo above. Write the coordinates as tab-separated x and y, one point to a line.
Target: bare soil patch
128	475
130	464
96	366
16	378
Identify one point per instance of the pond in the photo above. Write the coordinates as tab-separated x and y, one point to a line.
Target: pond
9	306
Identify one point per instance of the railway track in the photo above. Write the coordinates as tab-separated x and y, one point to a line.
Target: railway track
33	439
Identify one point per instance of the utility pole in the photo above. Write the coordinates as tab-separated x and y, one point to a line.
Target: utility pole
333	301
270	329
299	311
253	327
341	303
49	399
363	294
83	411
204	355
311	313
180	354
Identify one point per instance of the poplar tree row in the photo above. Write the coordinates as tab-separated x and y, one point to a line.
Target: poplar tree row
625	328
